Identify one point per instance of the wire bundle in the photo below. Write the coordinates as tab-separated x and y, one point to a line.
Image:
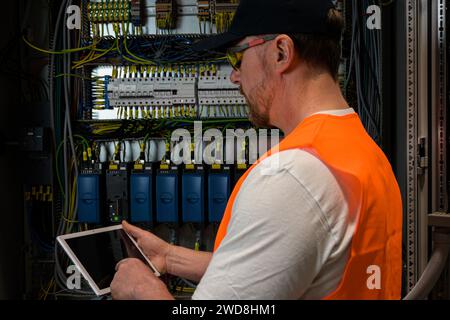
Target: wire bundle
366	61
61	107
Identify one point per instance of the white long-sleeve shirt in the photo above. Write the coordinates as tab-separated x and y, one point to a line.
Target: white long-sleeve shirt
289	236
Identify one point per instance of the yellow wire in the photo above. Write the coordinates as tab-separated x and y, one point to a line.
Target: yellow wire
73	199
52	283
130	53
118	49
78	64
43	296
87	57
138	62
57	52
91	53
70	221
76	76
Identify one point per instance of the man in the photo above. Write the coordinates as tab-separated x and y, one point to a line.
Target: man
326	223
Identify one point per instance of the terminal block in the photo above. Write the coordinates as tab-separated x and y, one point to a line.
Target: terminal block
109	11
204	10
224	11
137	12
166	14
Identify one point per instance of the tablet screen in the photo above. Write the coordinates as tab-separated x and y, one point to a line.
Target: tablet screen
100	252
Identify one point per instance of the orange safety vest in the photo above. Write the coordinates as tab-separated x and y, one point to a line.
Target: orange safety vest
365	176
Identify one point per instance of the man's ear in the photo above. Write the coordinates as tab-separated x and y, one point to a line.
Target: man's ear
285	50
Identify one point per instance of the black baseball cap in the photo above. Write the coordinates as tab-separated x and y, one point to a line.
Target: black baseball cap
256	17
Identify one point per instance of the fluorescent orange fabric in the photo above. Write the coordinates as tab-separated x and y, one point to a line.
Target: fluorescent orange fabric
371	190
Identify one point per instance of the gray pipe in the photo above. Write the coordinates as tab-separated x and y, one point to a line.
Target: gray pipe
434	267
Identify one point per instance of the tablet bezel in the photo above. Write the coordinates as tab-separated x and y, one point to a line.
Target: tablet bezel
62	241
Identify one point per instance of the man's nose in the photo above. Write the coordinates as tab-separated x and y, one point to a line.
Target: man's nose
235	77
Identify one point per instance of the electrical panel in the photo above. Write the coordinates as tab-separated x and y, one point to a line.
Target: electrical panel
141	81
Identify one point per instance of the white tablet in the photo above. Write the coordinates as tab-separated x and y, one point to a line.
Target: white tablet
96	253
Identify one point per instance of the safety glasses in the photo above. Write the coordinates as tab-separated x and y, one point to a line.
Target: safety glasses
235	54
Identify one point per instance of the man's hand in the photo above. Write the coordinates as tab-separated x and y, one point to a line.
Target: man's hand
135	281
153	247
181	262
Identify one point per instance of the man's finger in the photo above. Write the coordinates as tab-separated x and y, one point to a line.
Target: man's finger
133	231
121	262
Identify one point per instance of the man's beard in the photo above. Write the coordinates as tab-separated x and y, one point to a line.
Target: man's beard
259	100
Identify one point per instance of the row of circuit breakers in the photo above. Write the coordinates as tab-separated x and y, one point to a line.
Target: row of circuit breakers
209	90
146	193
